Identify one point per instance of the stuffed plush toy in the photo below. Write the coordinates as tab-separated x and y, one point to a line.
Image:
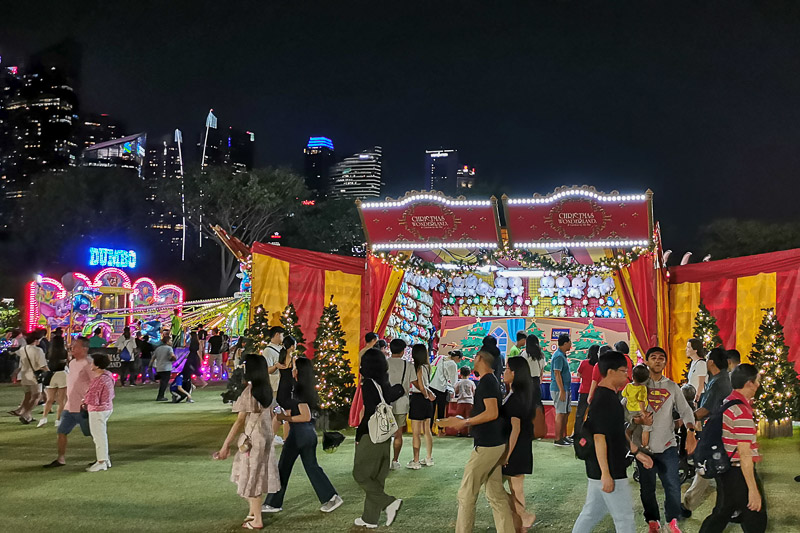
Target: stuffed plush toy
607	287
563	285
547	287
594	287
516	286
578	284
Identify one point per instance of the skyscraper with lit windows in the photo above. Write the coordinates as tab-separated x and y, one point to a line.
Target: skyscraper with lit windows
319	158
358	176
441	167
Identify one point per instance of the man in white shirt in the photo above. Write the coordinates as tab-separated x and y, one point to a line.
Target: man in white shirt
272	354
401	372
443	383
31	360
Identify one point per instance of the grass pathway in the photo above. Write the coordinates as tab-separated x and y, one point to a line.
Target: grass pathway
164	480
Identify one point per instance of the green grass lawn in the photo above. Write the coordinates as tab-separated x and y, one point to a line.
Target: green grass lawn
163	478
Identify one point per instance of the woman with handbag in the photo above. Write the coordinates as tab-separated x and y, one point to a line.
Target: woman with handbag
56	389
32	365
421	407
99	405
255	469
302	439
371	460
536	363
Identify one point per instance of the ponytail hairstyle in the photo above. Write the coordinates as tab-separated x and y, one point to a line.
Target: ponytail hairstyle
593	354
305	390
255	371
288	342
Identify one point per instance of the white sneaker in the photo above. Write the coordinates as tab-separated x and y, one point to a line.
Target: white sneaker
42	421
58	422
395	465
427	462
391	511
97	467
278	441
414	465
332	504
361	523
270	509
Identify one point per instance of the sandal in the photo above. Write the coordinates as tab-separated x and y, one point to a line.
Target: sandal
249	518
249	525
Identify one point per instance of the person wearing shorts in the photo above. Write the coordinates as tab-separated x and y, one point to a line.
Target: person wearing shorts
56	385
561	388
78	379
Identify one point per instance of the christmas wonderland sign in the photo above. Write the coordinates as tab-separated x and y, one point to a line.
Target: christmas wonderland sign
423	221
579	217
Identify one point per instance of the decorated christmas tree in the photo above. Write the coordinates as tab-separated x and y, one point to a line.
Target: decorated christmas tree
259	329
705	329
335	383
472	344
534	330
588	336
292	327
776	397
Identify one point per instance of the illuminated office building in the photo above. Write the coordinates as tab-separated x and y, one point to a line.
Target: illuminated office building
358	176
465	179
319	158
127	152
93	128
441	167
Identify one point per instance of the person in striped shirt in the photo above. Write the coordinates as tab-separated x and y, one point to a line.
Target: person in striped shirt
739	489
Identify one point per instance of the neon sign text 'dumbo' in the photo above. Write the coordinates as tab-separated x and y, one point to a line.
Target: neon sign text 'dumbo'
108	257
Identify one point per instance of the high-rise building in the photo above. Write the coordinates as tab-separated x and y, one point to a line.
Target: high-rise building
163	162
441	167
465	178
127	152
229	148
92	129
38	114
319	158
358	176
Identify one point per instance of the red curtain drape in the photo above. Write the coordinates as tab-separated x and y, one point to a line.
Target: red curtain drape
636	285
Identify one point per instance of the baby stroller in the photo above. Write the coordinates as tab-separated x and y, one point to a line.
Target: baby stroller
686	467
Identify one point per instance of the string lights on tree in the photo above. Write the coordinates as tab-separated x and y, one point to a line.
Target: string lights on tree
335	384
776	397
292	327
705	329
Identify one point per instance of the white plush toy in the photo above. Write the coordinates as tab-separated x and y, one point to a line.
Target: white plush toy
471	282
482	288
578	284
517	287
607	287
594	287
563	285
546	286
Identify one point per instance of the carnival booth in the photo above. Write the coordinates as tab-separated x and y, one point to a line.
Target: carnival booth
575	261
736	293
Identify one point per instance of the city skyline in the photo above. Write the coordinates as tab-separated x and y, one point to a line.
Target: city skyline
532	108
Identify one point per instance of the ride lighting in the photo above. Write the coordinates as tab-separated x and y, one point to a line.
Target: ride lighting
587	194
430	245
595	244
429	197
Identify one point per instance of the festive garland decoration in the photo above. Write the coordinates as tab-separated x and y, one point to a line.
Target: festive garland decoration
526	259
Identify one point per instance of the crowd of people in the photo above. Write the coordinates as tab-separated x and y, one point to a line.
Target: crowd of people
626	414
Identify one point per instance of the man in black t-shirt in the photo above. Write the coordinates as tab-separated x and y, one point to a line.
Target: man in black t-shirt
609	491
485	463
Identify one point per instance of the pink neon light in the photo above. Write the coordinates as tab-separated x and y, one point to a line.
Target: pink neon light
84	278
98	279
174	287
144	281
33	306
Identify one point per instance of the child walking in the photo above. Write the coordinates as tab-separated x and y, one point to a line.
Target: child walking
465	394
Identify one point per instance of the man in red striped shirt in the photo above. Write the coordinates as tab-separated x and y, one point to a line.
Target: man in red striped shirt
739	489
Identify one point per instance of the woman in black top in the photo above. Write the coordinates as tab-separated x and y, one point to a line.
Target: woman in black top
302	439
371	461
285	365
192	365
533	353
518	412
56	387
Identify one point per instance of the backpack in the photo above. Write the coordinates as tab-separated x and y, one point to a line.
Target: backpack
381	424
584	441
710	457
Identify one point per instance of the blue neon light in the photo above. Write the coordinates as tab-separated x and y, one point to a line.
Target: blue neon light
320	142
108	257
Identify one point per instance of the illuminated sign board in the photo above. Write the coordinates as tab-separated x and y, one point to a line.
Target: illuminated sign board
108	257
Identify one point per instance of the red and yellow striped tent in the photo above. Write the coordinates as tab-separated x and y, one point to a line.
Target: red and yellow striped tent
364	290
736	291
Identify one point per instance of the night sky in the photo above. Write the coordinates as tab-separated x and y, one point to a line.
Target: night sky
699	101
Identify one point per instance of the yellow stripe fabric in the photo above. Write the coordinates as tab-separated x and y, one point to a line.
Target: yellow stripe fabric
753	293
386	301
270	279
684	300
346	291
